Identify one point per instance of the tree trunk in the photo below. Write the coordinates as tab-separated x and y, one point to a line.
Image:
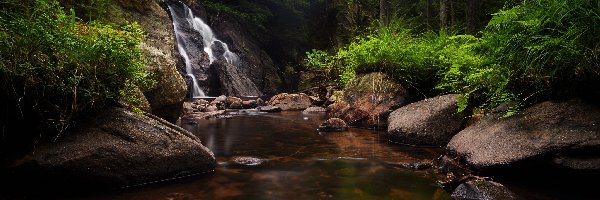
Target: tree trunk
443	14
473	11
429	14
385	11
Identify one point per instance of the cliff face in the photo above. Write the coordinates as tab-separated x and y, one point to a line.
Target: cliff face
255	63
158	50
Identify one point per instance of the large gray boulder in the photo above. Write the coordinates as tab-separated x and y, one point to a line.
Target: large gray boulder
568	133
118	148
368	100
430	122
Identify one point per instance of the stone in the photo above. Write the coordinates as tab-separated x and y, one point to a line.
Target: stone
229	80
368	100
201	102
332	125
315	110
291	102
260	102
249	104
231	100
117	148
547	130
188	108
246	161
430	122
236	105
269	109
478	189
158	51
212	108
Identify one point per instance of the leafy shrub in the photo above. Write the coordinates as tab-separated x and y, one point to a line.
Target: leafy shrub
53	67
537	50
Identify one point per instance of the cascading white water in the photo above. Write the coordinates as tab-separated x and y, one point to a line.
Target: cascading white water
209	38
210	44
196	91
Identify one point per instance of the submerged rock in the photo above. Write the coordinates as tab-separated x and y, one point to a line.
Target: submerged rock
544	131
118	148
246	161
291	101
430	122
269	109
478	189
368	100
333	124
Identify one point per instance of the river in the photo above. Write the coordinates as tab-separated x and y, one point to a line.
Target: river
295	161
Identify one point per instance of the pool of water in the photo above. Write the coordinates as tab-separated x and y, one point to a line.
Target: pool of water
298	162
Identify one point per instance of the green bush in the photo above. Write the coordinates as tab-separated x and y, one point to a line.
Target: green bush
538	50
55	67
534	51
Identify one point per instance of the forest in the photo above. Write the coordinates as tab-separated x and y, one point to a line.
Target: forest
65	64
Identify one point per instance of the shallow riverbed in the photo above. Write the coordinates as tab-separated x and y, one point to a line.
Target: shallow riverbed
295	161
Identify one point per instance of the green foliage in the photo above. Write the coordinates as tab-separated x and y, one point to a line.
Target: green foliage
537	50
317	59
59	67
534	51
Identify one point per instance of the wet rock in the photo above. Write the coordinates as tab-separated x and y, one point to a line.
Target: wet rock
544	131
188	108
212	108
249	104
236	105
246	161
117	148
219	102
315	110
255	63
291	101
315	100
260	102
228	79
430	122
269	109
231	99
201	102
333	95
478	189
455	172
333	124
414	166
221	98
368	100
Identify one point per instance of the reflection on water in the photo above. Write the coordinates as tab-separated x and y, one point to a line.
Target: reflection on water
299	163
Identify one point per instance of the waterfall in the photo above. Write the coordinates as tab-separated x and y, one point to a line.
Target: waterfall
205	56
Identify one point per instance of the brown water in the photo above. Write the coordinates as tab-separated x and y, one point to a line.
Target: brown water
298	163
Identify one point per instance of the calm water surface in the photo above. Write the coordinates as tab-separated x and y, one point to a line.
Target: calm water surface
298	163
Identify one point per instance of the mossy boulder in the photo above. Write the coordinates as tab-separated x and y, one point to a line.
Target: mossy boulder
368	100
